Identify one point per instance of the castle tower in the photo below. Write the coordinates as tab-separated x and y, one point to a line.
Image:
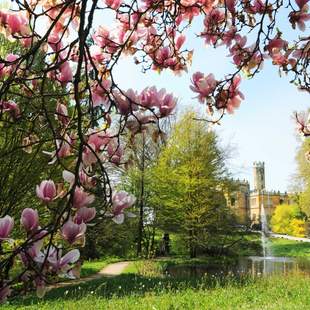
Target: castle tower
259	175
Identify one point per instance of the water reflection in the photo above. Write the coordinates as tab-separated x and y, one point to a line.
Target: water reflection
253	265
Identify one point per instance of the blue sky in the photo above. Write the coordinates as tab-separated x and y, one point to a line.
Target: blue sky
262	129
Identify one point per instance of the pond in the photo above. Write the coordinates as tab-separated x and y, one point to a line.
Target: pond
253	266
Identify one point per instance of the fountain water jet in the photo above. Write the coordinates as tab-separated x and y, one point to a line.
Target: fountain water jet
264	233
264	239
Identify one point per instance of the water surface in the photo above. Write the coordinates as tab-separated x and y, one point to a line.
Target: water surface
253	266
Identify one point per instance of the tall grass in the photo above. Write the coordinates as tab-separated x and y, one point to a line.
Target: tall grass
154	291
284	247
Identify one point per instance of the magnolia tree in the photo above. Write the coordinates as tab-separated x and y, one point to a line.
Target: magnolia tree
61	92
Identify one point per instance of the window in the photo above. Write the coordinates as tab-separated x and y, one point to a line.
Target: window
233	201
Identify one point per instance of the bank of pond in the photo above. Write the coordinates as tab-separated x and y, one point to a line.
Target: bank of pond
239	282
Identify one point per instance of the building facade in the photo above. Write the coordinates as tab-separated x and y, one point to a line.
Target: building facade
250	204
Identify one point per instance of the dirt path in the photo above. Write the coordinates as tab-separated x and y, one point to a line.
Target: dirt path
111	270
273	235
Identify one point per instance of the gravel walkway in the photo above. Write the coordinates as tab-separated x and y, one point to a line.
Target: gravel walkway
111	270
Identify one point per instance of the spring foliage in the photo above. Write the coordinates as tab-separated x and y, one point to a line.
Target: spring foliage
288	219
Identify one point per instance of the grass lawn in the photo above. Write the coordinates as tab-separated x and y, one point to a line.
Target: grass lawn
157	267
132	291
94	266
143	287
249	244
284	247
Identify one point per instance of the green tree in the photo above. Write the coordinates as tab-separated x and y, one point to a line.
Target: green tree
21	166
137	179
302	177
188	187
288	219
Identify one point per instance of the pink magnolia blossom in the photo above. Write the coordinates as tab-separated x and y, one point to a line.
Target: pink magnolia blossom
62	114
65	73
233	89
259	7
149	97
279	59
115	151
229	36
300	18
26	42
276	45
303	123
127	102
61	264
10	106
84	215
89	155
46	191
73	232
301	3
164	57
34	252
99	139
99	94
84	179
180	41
120	201
238	51
234	98
55	42
6	226
17	23
81	198
97	53
10	58
122	103
2	70
103	38
188	2
203	85
167	105
30	219
211	22
190	12
63	149
113	4
139	121
230	4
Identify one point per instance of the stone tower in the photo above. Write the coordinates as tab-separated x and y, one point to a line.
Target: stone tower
259	175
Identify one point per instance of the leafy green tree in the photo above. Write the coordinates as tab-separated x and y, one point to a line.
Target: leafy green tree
188	187
136	236
21	151
143	153
107	238
288	219
302	177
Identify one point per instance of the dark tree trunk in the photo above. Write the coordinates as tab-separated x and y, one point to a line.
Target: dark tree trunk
141	204
151	250
192	246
